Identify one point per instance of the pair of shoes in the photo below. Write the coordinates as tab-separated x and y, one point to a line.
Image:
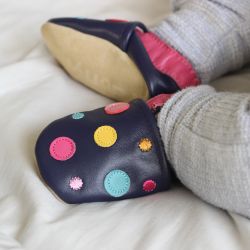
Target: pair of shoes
114	152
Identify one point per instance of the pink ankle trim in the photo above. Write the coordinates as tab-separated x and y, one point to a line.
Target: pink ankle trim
114	20
158	101
169	61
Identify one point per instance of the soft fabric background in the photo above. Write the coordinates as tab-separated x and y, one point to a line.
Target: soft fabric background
34	90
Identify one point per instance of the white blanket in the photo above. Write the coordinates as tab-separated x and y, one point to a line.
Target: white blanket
34	91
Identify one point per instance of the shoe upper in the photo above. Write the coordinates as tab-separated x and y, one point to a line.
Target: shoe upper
110	153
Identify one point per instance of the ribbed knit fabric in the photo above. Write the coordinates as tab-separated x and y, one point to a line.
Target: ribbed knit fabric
206	135
213	34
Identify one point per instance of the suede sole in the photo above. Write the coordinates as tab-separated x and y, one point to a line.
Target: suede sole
96	63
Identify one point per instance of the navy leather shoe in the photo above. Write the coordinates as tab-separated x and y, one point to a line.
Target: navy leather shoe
110	153
121	60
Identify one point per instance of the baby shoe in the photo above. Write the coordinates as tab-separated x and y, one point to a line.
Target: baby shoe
121	60
107	154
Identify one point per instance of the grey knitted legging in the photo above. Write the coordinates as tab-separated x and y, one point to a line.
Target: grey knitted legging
206	134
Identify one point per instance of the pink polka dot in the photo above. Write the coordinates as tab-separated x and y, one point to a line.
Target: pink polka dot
116	108
62	148
149	185
76	183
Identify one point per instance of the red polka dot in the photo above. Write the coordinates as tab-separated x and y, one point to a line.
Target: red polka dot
116	108
62	148
149	185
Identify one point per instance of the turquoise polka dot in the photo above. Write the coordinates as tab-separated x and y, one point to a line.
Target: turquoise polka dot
117	183
77	116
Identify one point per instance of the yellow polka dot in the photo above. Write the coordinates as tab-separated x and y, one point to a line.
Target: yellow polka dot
105	136
145	145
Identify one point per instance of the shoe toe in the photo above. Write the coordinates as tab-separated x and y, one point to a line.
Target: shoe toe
110	153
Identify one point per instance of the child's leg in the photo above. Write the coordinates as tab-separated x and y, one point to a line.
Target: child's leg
207	134
213	34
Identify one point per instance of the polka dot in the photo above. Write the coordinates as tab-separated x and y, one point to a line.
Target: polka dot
145	145
62	148
149	186
76	183
116	108
105	136
117	183
77	116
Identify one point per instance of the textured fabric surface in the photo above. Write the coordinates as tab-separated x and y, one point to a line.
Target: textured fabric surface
34	91
215	125
213	35
207	140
